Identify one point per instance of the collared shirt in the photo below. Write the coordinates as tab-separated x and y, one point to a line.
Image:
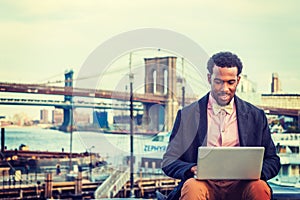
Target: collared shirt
222	128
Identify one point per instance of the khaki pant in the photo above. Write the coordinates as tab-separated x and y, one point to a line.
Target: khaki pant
222	190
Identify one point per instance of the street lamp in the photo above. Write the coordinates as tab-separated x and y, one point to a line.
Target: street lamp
91	161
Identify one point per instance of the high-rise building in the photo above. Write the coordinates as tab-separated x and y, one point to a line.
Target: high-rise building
81	117
57	116
275	84
44	117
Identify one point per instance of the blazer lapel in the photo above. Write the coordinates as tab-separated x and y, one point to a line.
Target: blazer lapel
202	129
242	120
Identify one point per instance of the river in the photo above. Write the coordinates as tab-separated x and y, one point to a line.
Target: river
113	147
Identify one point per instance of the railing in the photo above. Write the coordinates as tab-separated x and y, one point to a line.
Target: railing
113	184
79	104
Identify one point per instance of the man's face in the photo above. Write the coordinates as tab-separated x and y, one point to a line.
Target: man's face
223	82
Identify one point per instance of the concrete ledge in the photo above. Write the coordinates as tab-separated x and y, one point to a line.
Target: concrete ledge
286	193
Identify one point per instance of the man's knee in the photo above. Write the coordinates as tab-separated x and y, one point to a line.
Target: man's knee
193	188
194	184
257	189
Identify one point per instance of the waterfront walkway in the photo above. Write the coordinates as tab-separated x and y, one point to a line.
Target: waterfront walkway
116	184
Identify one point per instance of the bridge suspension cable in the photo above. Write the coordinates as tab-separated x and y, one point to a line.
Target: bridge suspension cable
116	71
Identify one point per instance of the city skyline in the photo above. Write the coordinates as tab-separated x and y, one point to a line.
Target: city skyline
40	40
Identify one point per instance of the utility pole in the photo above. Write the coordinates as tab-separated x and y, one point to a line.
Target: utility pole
71	135
91	163
183	84
131	77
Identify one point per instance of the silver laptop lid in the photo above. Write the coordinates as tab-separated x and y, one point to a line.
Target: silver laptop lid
236	163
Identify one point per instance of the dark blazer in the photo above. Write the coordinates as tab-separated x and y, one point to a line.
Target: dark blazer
190	131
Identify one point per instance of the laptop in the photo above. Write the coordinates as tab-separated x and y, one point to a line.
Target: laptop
229	163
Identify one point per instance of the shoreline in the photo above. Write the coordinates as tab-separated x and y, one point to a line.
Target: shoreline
31	126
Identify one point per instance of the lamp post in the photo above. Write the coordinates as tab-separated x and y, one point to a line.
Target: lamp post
91	162
71	136
131	77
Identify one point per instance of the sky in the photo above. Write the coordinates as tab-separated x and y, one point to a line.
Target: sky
40	40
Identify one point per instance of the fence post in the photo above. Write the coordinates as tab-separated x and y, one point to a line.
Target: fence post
38	189
2	140
48	186
78	184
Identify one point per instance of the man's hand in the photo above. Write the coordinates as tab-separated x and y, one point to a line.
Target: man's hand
194	170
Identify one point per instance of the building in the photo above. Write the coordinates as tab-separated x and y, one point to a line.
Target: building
57	116
246	85
247	90
275	84
82	117
44	116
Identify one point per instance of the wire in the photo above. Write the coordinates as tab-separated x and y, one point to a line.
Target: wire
51	77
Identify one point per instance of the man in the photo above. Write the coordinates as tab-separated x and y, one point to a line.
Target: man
219	119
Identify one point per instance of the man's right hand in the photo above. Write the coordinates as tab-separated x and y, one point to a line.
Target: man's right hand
194	170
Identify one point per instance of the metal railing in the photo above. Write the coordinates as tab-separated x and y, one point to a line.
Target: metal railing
113	184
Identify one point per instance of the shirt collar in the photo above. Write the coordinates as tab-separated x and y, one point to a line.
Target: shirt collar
212	104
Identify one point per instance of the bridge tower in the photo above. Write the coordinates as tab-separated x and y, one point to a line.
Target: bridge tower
68	98
160	79
69	84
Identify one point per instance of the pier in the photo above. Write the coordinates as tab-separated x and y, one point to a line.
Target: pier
49	189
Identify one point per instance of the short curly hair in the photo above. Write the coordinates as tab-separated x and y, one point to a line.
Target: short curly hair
224	59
